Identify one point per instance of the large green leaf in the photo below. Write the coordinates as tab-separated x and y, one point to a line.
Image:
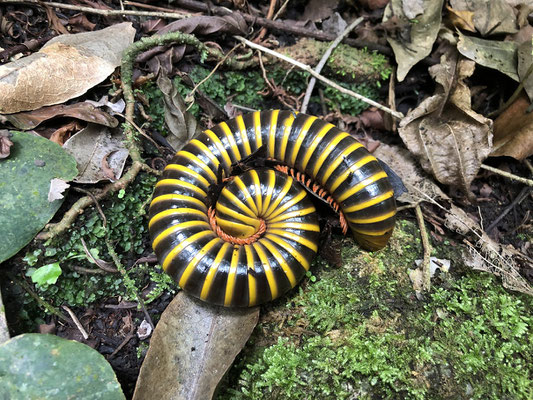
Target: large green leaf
35	366
25	178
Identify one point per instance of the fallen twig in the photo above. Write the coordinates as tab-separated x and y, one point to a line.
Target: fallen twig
327	81
528	182
77	322
426	271
324	60
106	13
518	199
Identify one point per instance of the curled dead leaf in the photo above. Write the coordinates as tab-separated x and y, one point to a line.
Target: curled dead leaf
5	143
66	67
444	133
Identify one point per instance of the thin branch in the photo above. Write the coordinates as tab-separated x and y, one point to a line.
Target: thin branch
106	13
518	199
324	60
327	81
77	322
526	181
426	271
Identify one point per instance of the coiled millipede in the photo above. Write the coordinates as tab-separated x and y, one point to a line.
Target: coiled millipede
260	238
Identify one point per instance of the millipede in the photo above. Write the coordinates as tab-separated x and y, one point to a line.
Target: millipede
260	236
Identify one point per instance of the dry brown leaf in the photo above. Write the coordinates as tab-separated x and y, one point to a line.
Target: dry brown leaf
66	67
84	111
490	17
181	123
444	133
485	254
525	60
462	19
513	131
192	347
94	147
419	186
5	143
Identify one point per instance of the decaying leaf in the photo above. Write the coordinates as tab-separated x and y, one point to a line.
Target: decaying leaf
4	332
83	111
5	143
462	19
448	137
513	131
525	60
57	187
192	347
93	147
419	186
417	42
497	55
490	17
181	123
66	67
485	254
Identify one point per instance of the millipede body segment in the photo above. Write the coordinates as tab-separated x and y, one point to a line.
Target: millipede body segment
246	272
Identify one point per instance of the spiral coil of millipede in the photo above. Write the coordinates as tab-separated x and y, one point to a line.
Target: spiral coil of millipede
259	239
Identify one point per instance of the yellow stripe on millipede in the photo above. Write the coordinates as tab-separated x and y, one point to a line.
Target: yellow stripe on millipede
292	214
194	159
231	139
175	212
252	284
179	197
206	151
208	282
295	225
196	259
220	147
329	148
292	251
180	183
294	237
301	137
272	133
289	273
288	204
257	128
369	203
268	196
372	220
235	214
267	268
248	197
176	228
232	275
354	167
237	202
279	197
318	138
244	135
286	133
190	172
257	185
340	158
176	250
361	185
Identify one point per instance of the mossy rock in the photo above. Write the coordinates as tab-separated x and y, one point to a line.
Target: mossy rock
346	62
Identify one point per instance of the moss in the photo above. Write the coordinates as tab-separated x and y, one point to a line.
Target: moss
359	332
127	226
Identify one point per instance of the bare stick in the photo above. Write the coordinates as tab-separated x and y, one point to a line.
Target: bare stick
518	199
77	322
324	60
526	181
426	271
327	81
106	13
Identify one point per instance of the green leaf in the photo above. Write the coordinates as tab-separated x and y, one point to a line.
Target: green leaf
35	366
47	274
24	185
